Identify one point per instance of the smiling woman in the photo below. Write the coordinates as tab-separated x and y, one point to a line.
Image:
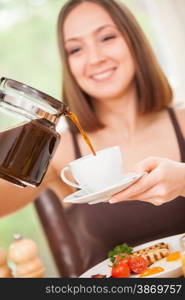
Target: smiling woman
121	61
114	83
101	39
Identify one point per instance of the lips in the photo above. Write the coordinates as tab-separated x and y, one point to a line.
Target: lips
103	75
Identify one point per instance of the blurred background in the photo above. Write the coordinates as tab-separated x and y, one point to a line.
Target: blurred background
29	54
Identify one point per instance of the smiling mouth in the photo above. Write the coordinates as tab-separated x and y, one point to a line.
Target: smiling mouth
103	75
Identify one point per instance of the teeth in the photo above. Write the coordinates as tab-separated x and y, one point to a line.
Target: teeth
102	75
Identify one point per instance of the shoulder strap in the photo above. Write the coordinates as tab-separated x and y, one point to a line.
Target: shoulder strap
76	146
179	135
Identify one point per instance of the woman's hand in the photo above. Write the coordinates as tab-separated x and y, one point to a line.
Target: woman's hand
164	182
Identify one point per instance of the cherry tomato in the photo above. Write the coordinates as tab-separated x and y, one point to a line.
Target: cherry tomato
121	270
137	264
121	257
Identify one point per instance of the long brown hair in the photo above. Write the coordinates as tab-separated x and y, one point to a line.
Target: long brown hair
154	91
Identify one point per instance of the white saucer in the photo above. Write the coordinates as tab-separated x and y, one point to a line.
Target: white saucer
82	196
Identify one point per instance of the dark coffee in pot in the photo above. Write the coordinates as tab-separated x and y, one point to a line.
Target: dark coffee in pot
26	151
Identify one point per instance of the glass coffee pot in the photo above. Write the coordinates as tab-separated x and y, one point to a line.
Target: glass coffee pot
30	139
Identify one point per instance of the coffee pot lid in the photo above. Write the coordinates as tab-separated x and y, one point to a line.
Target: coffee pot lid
31	100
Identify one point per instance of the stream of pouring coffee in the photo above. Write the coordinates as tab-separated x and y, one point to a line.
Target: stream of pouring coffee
75	120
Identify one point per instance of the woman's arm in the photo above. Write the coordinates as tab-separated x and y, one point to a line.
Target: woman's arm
13	198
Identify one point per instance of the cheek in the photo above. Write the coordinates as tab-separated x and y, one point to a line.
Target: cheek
122	52
76	66
127	64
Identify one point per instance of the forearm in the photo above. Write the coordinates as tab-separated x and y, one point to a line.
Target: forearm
13	198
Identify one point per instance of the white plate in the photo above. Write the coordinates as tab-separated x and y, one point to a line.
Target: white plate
105	194
171	269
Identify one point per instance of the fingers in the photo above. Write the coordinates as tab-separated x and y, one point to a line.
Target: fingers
156	202
137	190
154	193
151	187
148	196
147	165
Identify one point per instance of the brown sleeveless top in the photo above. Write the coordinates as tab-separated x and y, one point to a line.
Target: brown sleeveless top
99	228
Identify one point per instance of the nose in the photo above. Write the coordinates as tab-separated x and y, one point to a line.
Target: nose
95	55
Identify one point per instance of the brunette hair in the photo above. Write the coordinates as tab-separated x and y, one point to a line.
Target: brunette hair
154	91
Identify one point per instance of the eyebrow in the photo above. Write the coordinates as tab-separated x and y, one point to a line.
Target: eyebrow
94	32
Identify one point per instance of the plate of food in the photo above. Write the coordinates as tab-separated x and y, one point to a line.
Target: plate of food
155	259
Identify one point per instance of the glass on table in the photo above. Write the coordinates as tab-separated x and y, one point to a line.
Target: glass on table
182	249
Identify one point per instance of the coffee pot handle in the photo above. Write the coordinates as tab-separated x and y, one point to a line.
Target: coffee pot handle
67	181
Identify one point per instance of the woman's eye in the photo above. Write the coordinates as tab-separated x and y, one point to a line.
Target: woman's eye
73	51
108	37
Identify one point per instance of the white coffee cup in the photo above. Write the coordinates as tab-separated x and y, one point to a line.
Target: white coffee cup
94	173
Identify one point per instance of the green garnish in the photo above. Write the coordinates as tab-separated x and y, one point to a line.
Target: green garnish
123	250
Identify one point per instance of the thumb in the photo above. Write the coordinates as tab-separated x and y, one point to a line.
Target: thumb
147	165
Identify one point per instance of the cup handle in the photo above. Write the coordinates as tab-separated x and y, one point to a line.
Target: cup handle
68	181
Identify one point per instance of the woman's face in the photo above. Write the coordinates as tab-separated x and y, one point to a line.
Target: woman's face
98	55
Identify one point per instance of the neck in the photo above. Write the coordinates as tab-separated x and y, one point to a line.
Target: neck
120	113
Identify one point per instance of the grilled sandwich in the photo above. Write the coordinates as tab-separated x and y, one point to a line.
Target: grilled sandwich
154	252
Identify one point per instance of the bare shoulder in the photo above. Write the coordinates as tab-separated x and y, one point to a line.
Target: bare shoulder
65	151
180	113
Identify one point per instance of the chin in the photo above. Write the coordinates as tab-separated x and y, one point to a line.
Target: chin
108	95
